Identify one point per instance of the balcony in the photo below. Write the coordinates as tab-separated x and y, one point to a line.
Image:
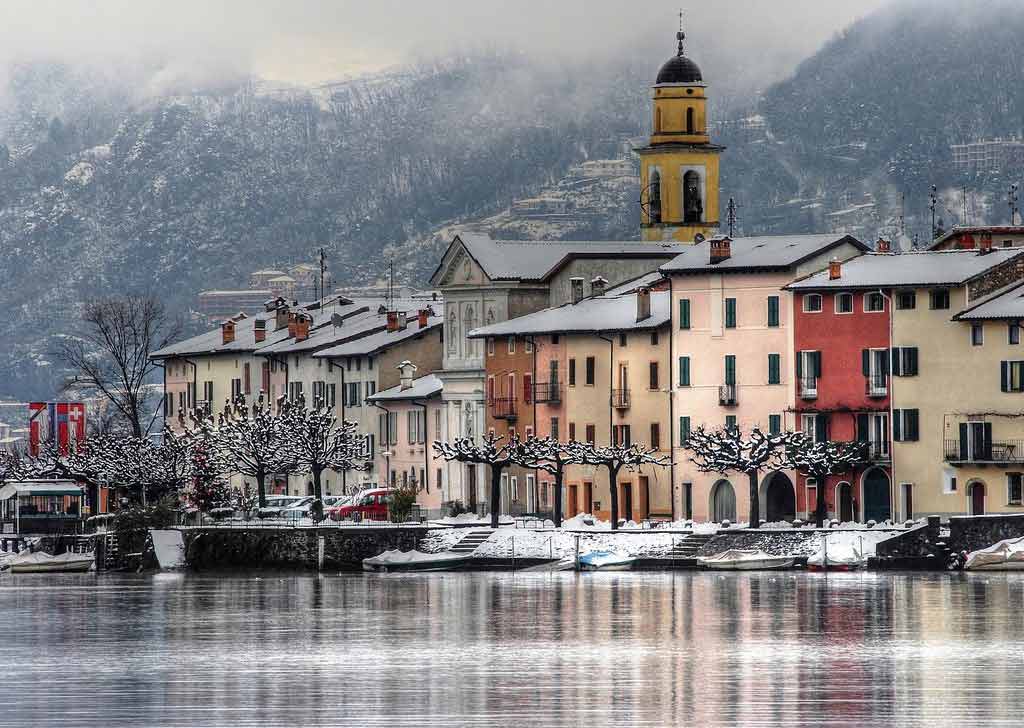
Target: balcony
547	392
876	451
504	408
876	385
808	387
727	395
620	398
957	452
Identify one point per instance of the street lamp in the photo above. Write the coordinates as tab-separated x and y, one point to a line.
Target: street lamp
387	467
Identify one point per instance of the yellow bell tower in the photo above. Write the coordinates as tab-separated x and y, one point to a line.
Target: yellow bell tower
679	167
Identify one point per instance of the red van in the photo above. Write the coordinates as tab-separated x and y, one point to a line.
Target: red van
371	505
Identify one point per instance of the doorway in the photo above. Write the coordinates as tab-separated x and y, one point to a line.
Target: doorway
877	504
471	488
977	495
847	512
627	501
723	502
588	497
645	497
780	499
574	503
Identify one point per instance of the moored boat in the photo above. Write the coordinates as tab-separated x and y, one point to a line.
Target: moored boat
40	562
605	561
745	560
836	560
415	561
1006	555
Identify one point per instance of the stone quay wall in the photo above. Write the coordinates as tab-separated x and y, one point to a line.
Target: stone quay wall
970	533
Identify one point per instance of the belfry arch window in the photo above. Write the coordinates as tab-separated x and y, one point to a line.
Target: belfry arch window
689	120
654	197
693	205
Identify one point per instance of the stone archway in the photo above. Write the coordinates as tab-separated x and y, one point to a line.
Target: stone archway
877	499
976	498
778	498
723	502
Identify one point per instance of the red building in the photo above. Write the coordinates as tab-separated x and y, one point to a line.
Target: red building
842	342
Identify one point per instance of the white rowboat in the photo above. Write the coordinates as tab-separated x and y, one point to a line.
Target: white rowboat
745	560
1006	555
415	561
605	561
39	562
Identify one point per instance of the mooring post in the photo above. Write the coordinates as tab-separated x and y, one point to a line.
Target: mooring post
320	543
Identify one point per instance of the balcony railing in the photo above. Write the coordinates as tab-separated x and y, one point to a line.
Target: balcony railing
876	450
808	387
727	395
547	392
1004	451
876	385
504	408
620	398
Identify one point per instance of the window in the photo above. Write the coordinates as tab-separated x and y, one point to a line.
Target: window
591	434
511	345
528	345
527	388
684	371
392	428
1013	489
371	388
654	338
623	340
904	361
591	366
169	404
1013	334
554	339
438	479
621	434
730	423
655	435
236	388
653	375
576	285
874	302
730	313
730	369
572	372
773	311
528	432
572	432
774	368
906	300
490	346
812	303
554	428
808	368
815	426
844	303
1011	376
684	313
352	394
247	378
977	334
905	425
208	390
949	481
684	429
775	424
939	298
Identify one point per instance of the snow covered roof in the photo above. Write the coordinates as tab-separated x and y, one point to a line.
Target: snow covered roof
382	339
37	487
596	314
767	252
1004	303
916	268
423	387
976	230
536	260
647	280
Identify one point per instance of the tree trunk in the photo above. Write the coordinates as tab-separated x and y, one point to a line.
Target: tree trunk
820	507
495	494
261	488
317	490
613	487
755	501
559	475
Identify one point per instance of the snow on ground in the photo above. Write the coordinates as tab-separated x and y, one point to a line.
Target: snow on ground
506	542
442	539
861	541
470	519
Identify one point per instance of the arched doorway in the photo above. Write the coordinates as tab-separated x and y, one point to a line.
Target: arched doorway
844	500
976	494
877	503
723	502
779	498
693	206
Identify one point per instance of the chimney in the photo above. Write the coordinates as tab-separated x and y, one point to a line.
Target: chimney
406	372
302	322
392	320
281	317
422	316
292	319
227	331
966	242
721	249
643	303
883	246
835	269
259	330
985	245
598	285
402	320
337	320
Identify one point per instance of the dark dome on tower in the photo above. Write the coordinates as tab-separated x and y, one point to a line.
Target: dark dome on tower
679	68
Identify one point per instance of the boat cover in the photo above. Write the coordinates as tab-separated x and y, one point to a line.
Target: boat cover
599	559
837	556
1007	551
26	558
402	558
739	555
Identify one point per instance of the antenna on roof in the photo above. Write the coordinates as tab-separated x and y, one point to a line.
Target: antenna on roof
731	217
1012	197
323	268
680	36
933	200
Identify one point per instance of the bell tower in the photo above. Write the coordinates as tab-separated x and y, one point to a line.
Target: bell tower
679	167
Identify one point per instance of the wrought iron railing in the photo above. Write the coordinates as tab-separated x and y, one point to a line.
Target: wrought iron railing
504	408
727	395
967	451
547	392
876	385
808	387
620	398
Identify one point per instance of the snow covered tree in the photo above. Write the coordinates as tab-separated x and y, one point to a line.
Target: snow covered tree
317	441
725	451
819	460
257	442
494	451
209	492
614	458
551	456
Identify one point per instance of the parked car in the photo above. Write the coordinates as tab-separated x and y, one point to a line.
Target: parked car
298	510
367	505
334	510
276	504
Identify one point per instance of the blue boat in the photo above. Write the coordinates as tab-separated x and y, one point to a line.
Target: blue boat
605	561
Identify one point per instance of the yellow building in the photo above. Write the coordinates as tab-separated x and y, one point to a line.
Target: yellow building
679	168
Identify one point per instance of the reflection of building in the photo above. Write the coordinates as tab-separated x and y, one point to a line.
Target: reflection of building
988	155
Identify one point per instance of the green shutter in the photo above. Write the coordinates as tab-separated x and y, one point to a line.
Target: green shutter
684	430
684	371
730	369
684	313
730	423
773	311
730	313
775	424
897	425
774	365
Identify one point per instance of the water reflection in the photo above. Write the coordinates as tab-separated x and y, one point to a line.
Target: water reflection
500	649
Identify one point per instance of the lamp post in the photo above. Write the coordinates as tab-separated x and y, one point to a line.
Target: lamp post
387	467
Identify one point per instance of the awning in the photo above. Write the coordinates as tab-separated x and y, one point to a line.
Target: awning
56	488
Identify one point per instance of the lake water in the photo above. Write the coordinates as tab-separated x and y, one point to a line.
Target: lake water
487	649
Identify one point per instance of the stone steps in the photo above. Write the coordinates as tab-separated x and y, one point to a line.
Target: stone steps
471	541
688	547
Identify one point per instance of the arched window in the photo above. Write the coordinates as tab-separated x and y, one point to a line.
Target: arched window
657	120
689	120
723	502
693	205
654	197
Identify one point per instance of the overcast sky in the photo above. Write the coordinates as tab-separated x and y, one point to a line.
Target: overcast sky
305	41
